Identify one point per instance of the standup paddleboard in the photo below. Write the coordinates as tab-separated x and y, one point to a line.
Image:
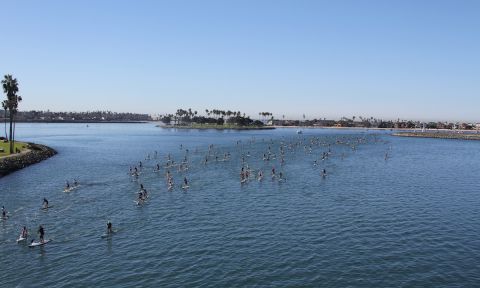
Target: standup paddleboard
35	243
46	208
20	239
106	235
66	190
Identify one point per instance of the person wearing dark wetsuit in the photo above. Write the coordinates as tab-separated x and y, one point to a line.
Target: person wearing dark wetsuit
41	232
109	227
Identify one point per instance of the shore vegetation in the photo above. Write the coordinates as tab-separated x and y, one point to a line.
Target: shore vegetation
5	148
10	104
212	119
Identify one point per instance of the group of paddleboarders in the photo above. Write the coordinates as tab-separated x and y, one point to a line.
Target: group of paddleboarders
244	174
24	235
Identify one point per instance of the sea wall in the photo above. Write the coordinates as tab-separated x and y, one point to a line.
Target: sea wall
440	135
35	153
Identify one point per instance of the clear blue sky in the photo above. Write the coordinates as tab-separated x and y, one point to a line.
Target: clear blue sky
387	59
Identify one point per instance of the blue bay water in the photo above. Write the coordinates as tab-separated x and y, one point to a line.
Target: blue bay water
409	221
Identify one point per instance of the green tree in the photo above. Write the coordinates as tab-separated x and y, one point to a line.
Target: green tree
10	88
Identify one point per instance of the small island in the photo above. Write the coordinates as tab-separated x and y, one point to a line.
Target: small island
213	119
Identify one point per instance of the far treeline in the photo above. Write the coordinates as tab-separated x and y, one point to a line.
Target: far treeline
188	117
371	122
94	116
212	117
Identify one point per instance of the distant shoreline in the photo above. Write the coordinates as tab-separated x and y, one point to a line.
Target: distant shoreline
83	121
440	135
413	130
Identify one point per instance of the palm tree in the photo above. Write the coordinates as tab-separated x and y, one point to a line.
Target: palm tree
10	87
4	106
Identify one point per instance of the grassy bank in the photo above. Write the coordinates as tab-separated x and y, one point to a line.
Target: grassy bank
5	148
34	153
215	126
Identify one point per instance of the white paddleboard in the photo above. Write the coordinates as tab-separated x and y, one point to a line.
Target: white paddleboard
66	190
35	243
20	239
184	187
106	235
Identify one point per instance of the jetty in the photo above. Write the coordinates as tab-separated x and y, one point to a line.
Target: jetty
440	135
31	154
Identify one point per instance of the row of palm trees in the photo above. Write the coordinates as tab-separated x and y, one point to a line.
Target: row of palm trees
222	113
188	114
217	116
10	104
216	113
265	115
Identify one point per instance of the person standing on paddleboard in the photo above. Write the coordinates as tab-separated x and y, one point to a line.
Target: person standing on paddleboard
24	233
45	203
42	233
109	227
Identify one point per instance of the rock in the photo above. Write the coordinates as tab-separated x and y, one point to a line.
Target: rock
36	153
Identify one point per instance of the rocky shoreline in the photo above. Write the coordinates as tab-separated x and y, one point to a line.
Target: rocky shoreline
35	153
440	135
